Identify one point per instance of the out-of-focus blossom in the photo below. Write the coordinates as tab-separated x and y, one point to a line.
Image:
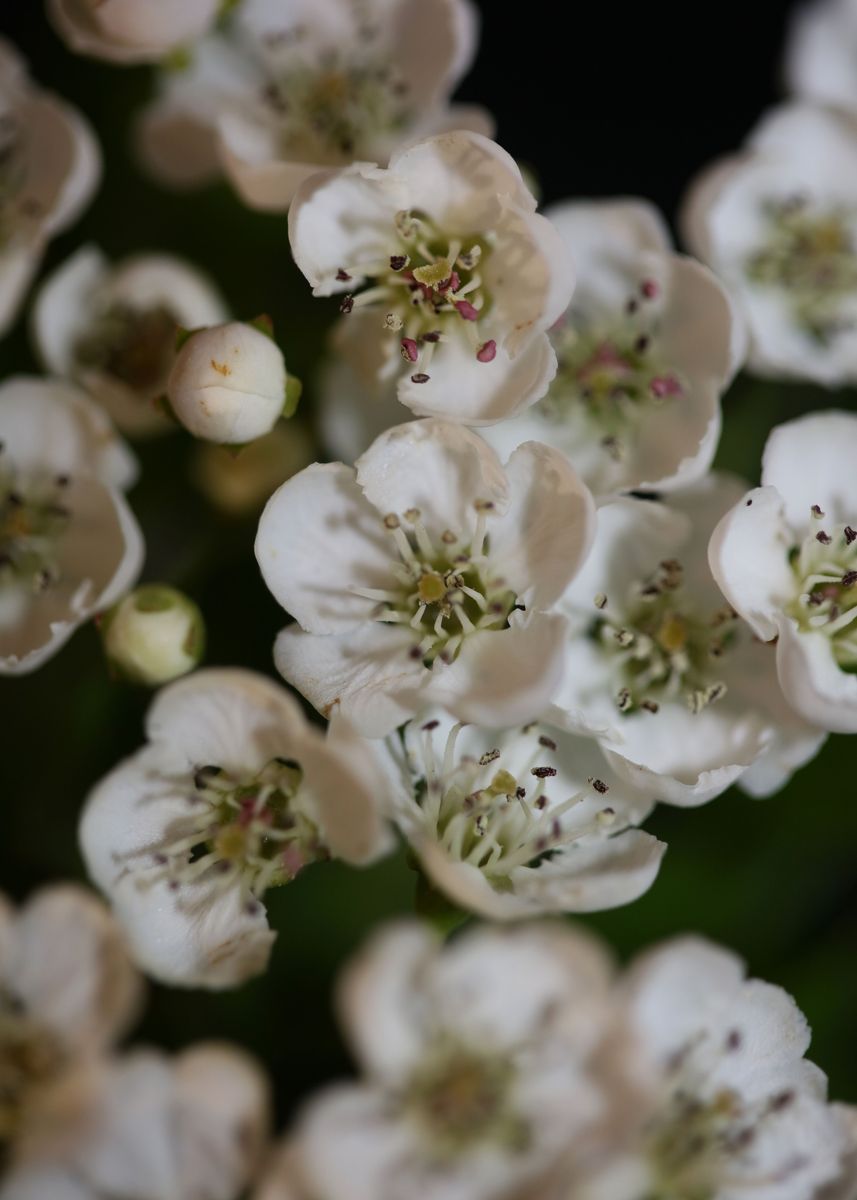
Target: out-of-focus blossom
113	328
513	823
131	31
786	558
50	165
234	793
712	1094
240	483
192	1127
228	383
289	88
476	1065
67	991
461	275
660	669
426	575
69	543
153	635
778	224
644	352
822	44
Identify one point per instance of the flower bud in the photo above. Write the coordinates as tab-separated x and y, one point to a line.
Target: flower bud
228	383
153	635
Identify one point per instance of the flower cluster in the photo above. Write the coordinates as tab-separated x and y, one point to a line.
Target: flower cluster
525	610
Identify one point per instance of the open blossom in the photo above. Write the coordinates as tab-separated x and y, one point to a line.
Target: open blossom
286	89
820	53
113	328
192	1127
513	823
228	383
462	276
69	543
50	165
67	992
712	1087
786	558
644	352
778	224
131	31
424	575
660	669
476	1065
233	794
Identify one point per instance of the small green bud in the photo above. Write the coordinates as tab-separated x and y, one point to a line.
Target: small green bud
153	635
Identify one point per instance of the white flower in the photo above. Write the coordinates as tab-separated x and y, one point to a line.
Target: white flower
153	635
820	53
464	275
67	991
188	1128
644	353
718	1098
778	224
69	543
113	328
426	575
785	557
476	1065
288	89
228	383
683	699
512	823
233	794
50	165
131	31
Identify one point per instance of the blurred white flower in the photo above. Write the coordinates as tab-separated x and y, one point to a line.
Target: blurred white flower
426	575
476	1061
289	88
240	483
50	166
715	1095
681	696
188	1128
67	992
113	328
69	543
131	31
778	224
228	383
513	823
644	352
464	276
153	635
819	59
234	793
786	558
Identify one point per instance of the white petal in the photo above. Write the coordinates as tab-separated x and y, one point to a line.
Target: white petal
504	678
433	47
253	161
368	673
818	54
748	553
18	265
70	969
811	461
593	876
436	467
320	540
124	31
548	528
176	145
61	309
461	388
813	682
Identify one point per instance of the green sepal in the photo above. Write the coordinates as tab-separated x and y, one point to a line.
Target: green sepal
263	324
294	388
184	335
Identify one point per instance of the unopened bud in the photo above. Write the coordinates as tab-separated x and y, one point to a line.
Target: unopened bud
228	383
153	635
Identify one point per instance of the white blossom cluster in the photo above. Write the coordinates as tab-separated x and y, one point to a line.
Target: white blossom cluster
524	605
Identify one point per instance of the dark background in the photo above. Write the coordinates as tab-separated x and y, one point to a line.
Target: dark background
598	98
